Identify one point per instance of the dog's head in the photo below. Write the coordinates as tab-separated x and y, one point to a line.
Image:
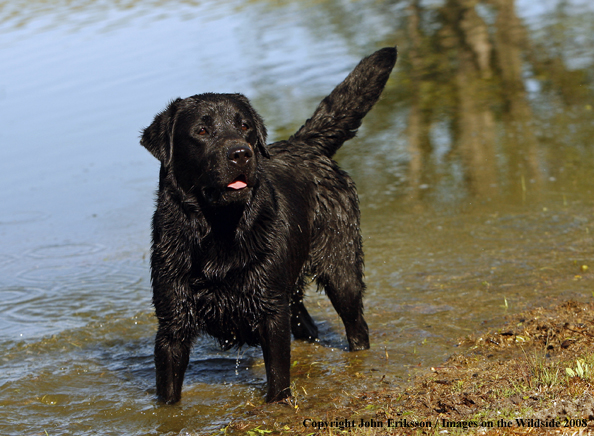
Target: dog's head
210	144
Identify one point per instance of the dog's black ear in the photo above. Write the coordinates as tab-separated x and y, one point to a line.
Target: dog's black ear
259	124
157	137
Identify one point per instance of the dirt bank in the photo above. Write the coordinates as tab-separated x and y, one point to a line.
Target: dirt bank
533	376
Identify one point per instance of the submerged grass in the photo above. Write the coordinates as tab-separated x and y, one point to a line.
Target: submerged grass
534	376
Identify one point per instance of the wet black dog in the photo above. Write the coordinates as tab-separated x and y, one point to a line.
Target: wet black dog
239	226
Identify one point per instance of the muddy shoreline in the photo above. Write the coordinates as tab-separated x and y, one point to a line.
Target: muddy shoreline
533	375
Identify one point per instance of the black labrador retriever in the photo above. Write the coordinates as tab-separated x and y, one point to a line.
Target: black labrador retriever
240	225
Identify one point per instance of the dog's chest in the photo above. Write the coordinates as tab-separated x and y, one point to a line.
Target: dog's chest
217	262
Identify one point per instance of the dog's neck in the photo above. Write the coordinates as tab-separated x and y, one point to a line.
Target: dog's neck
225	220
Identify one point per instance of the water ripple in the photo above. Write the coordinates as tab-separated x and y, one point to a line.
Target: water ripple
65	250
22	217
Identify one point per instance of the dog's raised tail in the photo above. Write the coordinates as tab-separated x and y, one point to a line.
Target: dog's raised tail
339	115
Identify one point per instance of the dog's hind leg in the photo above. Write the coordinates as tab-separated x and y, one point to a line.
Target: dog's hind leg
339	270
346	295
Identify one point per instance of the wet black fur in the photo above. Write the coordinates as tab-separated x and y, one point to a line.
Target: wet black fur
233	263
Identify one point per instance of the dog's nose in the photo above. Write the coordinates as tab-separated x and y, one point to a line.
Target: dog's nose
240	154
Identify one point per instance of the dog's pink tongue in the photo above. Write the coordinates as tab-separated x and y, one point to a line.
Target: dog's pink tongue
238	184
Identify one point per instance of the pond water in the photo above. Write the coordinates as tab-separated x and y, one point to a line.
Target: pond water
475	174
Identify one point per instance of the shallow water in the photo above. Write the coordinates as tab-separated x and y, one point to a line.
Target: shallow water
474	170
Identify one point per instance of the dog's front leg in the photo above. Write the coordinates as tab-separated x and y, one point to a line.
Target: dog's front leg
275	338
171	361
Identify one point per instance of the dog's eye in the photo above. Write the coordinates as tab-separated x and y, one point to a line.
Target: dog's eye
202	131
244	126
